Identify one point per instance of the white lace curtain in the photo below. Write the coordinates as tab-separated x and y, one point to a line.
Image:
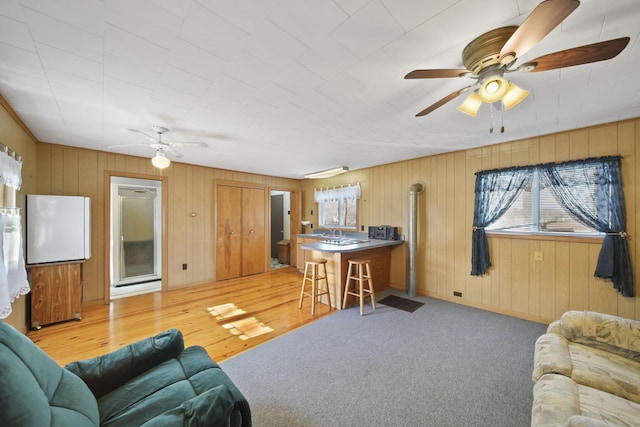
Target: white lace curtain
329	194
13	276
10	168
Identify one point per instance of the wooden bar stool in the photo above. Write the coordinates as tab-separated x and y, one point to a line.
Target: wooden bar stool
359	277
311	266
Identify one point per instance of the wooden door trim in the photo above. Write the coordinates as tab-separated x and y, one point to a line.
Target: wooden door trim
295	226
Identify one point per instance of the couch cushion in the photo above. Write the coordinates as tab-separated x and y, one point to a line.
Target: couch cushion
36	391
604	331
165	387
603	406
605	371
559	401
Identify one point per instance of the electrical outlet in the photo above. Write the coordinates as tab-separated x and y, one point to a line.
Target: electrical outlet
362	228
311	211
184	266
457	294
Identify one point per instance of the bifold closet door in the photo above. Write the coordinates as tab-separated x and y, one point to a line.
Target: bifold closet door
240	229
253	231
229	232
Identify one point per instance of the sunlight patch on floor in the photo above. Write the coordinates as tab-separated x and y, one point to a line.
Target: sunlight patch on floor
247	328
225	311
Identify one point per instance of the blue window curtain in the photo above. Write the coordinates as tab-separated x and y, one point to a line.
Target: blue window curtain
495	192
599	204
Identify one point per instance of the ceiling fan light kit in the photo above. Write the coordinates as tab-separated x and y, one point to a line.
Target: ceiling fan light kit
514	96
160	160
489	56
471	105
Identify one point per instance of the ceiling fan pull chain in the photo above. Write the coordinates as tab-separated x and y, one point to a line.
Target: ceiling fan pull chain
502	118
491	118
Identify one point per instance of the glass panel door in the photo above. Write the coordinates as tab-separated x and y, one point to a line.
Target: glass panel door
135	235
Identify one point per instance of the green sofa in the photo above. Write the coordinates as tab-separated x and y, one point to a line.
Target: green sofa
153	382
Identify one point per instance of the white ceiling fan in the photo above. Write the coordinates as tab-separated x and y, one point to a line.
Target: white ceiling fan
162	147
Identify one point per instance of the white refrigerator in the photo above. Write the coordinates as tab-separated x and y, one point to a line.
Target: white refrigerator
58	228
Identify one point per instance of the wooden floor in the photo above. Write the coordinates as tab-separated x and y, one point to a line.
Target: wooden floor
271	298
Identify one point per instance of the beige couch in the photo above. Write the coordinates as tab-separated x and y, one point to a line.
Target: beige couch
587	372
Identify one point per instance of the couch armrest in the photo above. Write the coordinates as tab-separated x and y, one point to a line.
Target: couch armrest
555	400
211	408
606	332
554	328
107	372
551	356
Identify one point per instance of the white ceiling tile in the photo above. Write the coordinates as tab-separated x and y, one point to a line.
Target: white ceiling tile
201	63
309	20
86	15
328	59
369	30
17	61
134	74
272	44
211	33
131	48
16	34
179	8
60	60
175	97
11	9
144	19
351	6
64	36
410	14
248	15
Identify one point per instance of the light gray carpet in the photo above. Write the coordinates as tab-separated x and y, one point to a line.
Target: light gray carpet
443	365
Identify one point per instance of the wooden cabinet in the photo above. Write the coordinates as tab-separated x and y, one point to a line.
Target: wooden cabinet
240	231
56	293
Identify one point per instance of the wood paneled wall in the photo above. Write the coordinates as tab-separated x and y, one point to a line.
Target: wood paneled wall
14	135
516	284
189	239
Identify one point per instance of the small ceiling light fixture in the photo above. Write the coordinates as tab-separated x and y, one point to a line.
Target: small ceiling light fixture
493	88
471	105
160	160
514	96
327	173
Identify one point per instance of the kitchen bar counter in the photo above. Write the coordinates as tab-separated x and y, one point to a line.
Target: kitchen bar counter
349	243
352	246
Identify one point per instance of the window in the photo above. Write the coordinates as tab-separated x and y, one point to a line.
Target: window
588	191
537	210
338	207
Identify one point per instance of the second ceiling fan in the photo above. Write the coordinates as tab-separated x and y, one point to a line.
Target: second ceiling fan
490	56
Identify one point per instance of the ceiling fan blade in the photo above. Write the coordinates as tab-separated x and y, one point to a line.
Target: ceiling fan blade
149	137
186	144
173	152
128	145
436	74
578	55
540	22
443	101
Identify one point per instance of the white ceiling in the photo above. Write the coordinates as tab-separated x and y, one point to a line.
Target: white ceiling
288	87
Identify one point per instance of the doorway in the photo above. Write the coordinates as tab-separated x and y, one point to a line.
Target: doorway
136	236
280	229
